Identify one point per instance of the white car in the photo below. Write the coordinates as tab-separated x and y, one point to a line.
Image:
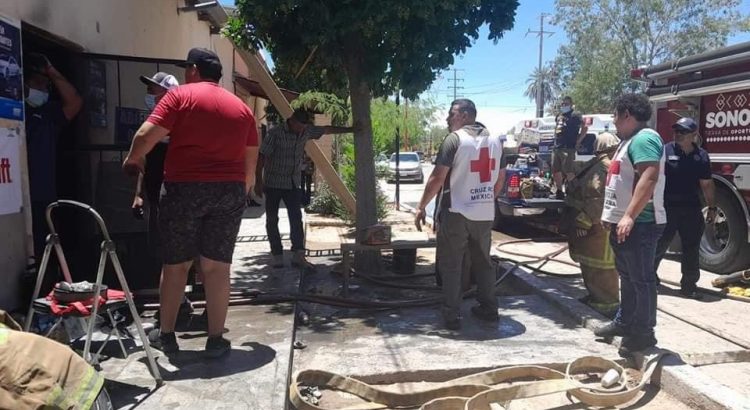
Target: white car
9	66
409	167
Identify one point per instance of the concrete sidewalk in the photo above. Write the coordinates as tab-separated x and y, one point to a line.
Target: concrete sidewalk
254	374
404	345
710	334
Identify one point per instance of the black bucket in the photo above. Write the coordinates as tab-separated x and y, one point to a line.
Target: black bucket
404	261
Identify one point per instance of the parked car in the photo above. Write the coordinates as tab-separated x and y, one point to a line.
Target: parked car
409	168
9	66
381	166
421	155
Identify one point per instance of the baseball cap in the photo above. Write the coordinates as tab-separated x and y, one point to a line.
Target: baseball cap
201	57
685	125
163	80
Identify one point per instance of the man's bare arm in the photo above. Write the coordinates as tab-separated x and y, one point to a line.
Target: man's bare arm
251	160
143	142
71	101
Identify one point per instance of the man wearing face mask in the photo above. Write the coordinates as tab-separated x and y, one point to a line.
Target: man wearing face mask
569	131
156	87
688	173
45	120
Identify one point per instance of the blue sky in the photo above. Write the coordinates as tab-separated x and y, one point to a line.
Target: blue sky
494	75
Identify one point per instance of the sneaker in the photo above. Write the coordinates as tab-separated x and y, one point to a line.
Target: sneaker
691	294
632	344
166	342
217	346
453	324
485	314
278	261
611	329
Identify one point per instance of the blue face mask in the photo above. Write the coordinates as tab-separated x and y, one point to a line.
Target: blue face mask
150	101
37	98
565	109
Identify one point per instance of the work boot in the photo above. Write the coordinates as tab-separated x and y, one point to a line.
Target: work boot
611	329
166	342
632	344
278	261
485	314
217	346
300	261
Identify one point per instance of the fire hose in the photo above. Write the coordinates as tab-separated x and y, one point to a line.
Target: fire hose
478	391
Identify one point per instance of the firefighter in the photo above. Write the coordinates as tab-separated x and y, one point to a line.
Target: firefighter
688	172
588	240
36	373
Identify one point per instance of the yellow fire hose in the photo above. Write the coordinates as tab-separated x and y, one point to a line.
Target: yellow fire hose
476	391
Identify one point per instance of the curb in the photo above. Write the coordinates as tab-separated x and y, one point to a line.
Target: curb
682	381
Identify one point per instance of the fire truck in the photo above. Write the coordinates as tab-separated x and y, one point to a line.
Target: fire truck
714	89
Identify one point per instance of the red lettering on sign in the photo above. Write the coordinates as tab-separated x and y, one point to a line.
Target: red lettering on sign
5	171
484	165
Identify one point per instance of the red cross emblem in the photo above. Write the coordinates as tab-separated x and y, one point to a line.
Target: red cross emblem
484	165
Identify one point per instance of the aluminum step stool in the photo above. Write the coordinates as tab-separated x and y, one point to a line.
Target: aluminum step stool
107	249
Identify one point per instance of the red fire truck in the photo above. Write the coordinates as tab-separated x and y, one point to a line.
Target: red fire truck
714	89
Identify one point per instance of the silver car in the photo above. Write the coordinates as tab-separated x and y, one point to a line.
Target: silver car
9	66
409	167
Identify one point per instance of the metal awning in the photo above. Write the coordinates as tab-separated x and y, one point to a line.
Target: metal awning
253	87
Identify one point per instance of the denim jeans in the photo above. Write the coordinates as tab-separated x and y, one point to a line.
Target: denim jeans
689	222
293	201
634	260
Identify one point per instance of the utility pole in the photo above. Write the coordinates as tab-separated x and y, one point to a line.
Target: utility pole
455	86
540	76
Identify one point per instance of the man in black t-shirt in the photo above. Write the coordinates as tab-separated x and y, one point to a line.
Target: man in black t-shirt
569	131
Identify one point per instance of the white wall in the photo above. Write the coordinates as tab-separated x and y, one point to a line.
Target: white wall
140	28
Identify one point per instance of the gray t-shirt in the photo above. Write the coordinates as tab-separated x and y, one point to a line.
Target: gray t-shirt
446	155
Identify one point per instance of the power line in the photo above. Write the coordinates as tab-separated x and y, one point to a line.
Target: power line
455	87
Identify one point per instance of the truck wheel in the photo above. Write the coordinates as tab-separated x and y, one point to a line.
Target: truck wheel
724	248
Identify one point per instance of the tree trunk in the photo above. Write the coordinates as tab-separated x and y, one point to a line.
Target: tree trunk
364	155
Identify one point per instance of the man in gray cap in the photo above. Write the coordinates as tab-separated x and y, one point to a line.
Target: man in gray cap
688	172
156	87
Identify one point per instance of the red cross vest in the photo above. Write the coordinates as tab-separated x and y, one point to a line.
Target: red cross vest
621	181
476	166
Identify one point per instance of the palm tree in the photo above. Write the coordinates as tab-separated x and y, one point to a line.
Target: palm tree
547	78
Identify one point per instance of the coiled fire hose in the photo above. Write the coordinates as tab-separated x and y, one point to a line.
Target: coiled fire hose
478	391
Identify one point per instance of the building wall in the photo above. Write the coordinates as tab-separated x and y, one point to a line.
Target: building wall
138	28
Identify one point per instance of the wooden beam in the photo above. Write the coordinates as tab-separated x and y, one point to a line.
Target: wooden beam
258	70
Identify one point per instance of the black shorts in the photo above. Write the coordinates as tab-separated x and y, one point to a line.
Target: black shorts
200	218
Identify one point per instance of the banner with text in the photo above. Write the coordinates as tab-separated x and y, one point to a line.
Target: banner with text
10	167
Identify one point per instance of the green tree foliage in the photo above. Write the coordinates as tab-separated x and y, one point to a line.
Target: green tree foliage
549	80
370	48
412	120
609	37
